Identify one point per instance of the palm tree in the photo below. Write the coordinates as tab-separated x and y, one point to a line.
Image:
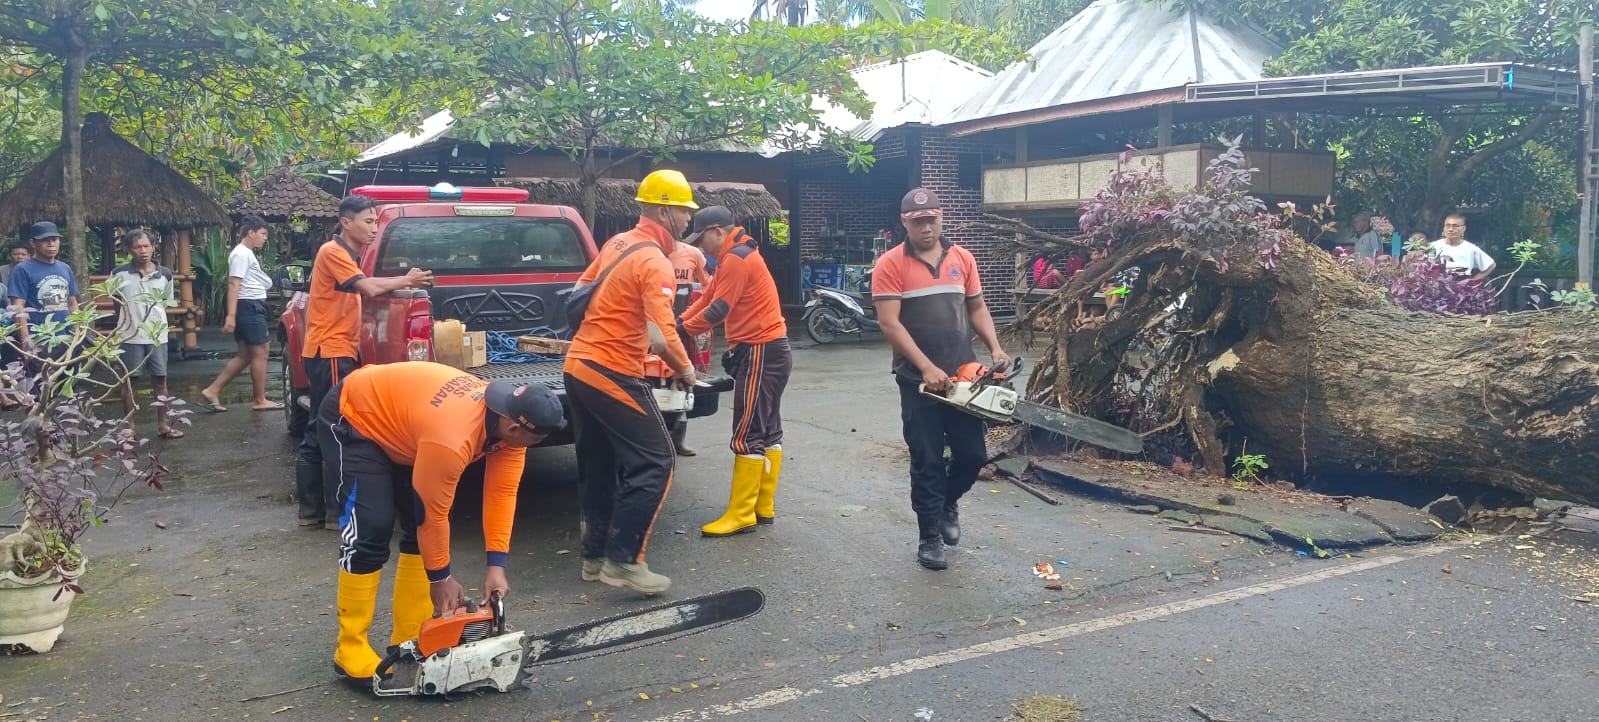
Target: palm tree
790	12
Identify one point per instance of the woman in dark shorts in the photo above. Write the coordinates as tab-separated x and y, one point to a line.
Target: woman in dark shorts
247	318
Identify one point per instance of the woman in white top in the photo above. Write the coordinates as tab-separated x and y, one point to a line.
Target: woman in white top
247	318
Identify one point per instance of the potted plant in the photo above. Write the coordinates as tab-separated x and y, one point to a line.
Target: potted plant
67	465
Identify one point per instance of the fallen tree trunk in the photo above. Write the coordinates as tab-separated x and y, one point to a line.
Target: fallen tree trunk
1290	355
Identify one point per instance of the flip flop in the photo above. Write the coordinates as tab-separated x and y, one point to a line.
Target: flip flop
171	434
215	407
273	407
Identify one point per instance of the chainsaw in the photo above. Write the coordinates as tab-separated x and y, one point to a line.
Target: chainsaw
987	393
696	402
473	650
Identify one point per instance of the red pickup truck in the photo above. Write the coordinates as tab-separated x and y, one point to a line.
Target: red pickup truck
498	262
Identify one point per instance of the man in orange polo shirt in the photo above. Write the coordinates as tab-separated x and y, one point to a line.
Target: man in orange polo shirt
744	297
929	301
624	451
333	338
688	267
398	436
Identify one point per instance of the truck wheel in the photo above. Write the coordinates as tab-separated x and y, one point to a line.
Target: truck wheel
823	324
294	413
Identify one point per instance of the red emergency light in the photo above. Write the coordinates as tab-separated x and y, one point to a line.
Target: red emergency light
442	192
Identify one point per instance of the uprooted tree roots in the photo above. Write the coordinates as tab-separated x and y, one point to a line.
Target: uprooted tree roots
1240	333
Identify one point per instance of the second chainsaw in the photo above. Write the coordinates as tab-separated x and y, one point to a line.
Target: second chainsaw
987	392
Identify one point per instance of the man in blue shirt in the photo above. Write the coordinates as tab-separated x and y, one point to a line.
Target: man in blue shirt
41	288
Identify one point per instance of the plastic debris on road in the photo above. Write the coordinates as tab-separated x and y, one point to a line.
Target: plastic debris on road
925	714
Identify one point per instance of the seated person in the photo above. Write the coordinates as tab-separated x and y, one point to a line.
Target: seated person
1046	275
499	253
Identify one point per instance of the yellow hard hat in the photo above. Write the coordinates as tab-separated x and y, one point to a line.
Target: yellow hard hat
666	188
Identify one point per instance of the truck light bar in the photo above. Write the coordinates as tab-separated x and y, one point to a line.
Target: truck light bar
442	192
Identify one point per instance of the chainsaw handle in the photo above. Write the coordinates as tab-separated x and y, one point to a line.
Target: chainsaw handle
395	653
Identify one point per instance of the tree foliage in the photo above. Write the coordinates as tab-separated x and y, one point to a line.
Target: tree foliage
609	84
265	75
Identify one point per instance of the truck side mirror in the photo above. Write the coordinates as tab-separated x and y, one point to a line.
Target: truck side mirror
294	277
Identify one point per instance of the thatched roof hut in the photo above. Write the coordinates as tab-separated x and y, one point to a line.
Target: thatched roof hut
282	195
614	197
616	210
122	186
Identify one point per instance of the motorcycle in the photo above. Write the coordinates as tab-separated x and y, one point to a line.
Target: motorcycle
832	312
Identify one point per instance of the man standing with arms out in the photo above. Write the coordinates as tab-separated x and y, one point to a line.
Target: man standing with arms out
398	437
1460	256
744	297
143	291
333	339
929	299
624	451
246	319
42	289
688	267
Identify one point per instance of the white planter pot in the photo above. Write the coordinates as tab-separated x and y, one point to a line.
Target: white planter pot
30	613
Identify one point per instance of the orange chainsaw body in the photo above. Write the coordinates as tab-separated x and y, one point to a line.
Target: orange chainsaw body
441	633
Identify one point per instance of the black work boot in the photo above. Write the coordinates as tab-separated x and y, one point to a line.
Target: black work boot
312	506
951	528
679	430
930	551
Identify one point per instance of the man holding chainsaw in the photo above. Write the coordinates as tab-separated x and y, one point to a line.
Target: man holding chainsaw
397	437
743	296
929	299
625	458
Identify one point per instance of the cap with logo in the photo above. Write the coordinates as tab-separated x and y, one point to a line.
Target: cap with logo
533	406
42	230
920	203
706	219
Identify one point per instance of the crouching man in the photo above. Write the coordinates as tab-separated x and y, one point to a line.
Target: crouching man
395	438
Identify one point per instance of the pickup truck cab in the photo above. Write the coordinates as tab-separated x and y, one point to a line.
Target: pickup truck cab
499	264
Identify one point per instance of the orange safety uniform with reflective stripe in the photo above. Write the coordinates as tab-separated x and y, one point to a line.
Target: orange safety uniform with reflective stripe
433	418
743	295
638	291
333	311
688	265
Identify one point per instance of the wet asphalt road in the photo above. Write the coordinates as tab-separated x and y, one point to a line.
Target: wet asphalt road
230	600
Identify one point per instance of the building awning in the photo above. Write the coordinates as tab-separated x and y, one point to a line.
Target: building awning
1402	90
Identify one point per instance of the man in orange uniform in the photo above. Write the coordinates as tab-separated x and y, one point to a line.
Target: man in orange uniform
624	451
688	267
744	297
398	437
333	338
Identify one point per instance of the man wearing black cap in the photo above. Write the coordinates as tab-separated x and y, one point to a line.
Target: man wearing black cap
929	299
396	438
744	299
41	289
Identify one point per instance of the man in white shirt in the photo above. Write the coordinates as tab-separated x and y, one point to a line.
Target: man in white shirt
1460	256
247	317
143	291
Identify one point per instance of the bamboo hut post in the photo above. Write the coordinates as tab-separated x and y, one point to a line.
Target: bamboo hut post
191	331
108	249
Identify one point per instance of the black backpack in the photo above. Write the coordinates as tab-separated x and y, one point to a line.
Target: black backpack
581	294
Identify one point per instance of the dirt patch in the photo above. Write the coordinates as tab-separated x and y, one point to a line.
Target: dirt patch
1047	709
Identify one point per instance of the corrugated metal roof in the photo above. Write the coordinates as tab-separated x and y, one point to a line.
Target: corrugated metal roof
1116	48
432	129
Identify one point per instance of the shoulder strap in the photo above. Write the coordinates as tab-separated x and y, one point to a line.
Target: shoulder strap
612	264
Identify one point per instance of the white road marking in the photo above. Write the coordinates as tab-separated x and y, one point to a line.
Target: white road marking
1054	634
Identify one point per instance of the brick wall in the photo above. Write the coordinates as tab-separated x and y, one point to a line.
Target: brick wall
863	204
941	160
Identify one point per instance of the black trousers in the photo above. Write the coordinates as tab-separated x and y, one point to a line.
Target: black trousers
760	373
624	463
317	499
929	427
374	493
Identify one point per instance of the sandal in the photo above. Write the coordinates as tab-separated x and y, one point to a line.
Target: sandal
272	406
215	407
171	434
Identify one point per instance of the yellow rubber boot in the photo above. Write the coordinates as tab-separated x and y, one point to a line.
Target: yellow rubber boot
358	596
740	516
765	508
413	599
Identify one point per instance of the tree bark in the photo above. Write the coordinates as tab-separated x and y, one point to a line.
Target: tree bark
1330	380
77	61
